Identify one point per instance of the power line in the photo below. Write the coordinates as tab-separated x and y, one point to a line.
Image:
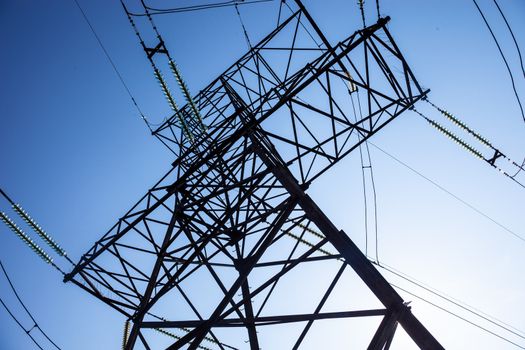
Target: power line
106	53
451	300
503	57
246	36
36	325
157	11
363	176
26	331
519	55
404	276
374	192
513	37
464	202
458	316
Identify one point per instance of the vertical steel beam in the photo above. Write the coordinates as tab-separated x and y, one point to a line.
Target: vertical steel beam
340	240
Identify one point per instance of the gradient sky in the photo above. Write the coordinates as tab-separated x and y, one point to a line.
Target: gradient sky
75	154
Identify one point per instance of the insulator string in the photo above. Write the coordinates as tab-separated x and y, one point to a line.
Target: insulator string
176	72
491	160
25	238
158	76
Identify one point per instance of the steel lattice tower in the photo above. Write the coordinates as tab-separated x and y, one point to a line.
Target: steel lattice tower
223	245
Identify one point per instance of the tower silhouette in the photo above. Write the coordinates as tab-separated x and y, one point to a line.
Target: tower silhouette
228	250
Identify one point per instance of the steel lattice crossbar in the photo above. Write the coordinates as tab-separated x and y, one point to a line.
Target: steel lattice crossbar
232	215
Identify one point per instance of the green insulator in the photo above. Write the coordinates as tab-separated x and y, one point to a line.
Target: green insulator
169	334
125	335
166	91
471	149
307	243
456	139
465	127
28	241
173	104
207	338
184	88
174	336
315	233
32	223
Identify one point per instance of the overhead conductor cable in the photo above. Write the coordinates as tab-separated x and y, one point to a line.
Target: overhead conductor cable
175	70
176	73
160	79
110	60
511	76
469	309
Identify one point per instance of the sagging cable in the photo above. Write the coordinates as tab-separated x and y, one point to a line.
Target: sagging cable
25	238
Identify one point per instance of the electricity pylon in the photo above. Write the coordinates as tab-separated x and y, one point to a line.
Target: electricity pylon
228	250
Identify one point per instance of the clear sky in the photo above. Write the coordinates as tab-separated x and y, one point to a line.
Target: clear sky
75	154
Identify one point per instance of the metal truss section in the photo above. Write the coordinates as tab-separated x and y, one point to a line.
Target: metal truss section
227	249
310	108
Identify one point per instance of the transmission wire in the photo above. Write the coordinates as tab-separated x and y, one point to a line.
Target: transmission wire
451	300
364	181
374	193
246	37
458	316
513	37
464	202
110	60
36	325
304	27
503	57
26	331
519	55
248	41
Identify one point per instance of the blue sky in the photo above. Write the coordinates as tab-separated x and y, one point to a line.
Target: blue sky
75	154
